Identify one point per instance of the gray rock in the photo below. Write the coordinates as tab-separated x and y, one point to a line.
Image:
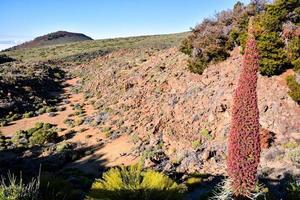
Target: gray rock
101	117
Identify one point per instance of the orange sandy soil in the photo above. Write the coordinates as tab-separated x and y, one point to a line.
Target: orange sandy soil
110	153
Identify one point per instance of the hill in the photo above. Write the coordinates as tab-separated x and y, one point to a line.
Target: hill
59	37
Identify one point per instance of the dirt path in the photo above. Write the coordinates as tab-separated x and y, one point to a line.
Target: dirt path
113	152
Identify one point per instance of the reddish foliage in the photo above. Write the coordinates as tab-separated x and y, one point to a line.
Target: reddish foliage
244	142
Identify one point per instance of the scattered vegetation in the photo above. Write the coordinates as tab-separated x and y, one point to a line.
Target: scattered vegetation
38	135
26	88
134	183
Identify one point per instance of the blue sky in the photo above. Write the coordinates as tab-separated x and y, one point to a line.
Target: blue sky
26	19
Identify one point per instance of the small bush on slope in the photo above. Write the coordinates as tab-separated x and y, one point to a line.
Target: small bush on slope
293	51
133	183
41	133
294	88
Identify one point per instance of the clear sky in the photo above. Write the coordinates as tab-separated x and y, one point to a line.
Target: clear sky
22	20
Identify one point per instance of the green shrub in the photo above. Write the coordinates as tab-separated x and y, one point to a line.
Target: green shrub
294	88
69	123
17	190
206	134
78	122
296	64
133	183
294	155
28	114
186	46
42	110
13	117
3	122
293	51
196	144
197	65
50	109
38	135
273	57
42	136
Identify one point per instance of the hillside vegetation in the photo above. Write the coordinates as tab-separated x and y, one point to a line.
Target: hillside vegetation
276	29
86	50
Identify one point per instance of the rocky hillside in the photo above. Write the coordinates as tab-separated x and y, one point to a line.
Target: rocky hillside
178	120
59	37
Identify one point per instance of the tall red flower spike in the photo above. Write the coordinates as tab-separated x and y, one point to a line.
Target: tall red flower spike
244	143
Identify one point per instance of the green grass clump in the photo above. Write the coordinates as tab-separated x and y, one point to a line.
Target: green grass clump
134	183
14	189
206	134
196	144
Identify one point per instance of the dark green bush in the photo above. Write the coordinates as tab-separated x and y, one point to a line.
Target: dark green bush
293	51
294	88
41	136
273	57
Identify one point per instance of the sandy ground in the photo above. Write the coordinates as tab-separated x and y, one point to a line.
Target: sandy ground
110	152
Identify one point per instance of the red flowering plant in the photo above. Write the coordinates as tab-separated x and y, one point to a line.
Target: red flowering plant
244	140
